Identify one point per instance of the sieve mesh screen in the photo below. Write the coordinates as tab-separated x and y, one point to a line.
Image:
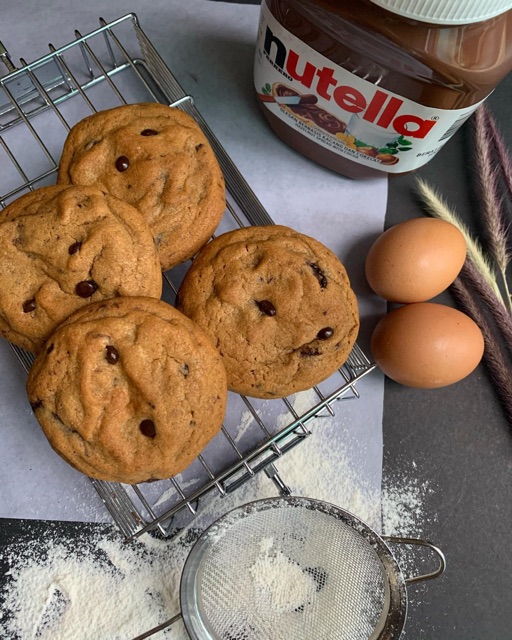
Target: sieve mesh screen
286	570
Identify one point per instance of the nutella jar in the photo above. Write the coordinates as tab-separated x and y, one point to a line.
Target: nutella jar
366	87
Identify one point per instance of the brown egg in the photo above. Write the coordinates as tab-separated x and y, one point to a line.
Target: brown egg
415	260
427	345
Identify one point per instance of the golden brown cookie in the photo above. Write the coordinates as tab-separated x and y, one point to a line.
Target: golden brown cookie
156	158
277	304
128	390
62	247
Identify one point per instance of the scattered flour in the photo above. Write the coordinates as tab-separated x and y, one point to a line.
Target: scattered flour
403	510
93	590
404	514
321	468
246	422
99	588
171	492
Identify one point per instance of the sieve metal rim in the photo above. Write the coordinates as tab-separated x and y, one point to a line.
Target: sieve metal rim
196	625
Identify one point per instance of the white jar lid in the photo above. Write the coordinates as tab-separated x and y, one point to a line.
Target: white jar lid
446	11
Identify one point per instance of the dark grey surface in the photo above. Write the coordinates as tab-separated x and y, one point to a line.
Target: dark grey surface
461	443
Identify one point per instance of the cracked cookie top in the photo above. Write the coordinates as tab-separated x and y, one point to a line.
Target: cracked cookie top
62	247
128	390
158	159
278	306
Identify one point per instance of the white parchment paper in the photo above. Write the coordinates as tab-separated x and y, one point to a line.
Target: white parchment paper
209	47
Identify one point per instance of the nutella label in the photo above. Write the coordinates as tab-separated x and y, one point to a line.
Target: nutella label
342	112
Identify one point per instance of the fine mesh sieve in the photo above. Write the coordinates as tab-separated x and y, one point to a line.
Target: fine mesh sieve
298	568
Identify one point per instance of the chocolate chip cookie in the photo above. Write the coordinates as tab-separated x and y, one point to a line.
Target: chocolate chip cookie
62	247
156	158
278	306
128	390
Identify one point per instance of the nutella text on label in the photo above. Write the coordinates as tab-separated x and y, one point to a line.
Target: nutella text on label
342	112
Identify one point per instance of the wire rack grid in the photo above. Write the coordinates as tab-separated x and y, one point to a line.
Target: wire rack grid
39	103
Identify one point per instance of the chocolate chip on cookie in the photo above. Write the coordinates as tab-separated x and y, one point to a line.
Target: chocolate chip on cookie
86	288
74	248
29	305
147	428
122	163
325	333
266	307
319	274
112	354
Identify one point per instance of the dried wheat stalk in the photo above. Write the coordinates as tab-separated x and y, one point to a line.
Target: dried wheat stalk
476	289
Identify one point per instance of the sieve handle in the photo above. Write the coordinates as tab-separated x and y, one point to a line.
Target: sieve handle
424	543
160	627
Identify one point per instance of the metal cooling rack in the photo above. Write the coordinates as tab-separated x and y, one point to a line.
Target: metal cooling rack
39	102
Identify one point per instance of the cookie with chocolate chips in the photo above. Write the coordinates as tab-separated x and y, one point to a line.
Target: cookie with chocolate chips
278	306
156	158
128	390
62	247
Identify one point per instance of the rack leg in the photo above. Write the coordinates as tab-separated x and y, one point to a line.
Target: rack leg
273	474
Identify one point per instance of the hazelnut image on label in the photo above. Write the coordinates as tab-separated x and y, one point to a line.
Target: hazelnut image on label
387	158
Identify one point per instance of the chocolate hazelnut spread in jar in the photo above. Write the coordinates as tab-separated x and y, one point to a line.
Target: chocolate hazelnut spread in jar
371	86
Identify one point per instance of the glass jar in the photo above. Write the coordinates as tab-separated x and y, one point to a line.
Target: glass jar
377	86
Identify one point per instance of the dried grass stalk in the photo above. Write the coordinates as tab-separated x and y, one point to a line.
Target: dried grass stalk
475	283
502	156
438	208
497	364
492	203
476	290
